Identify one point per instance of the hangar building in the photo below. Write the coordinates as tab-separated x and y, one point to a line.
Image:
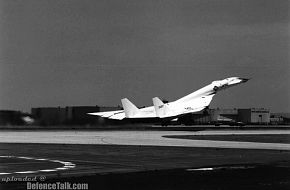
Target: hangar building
247	116
68	115
254	115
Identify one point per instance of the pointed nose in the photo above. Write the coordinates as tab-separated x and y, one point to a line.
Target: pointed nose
244	79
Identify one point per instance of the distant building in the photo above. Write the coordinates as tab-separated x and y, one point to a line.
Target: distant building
198	118
11	117
280	118
225	115
211	116
78	114
49	115
254	116
71	115
230	116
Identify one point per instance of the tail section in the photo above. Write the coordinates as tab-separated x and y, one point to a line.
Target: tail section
161	109
129	108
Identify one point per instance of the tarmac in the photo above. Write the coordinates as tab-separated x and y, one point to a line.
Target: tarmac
102	158
140	138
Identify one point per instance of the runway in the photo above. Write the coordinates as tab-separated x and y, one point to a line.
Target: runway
140	138
114	159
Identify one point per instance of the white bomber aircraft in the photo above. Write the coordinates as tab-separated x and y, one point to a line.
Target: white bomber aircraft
191	103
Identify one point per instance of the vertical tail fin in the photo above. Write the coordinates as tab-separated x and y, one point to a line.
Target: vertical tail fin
161	109
129	108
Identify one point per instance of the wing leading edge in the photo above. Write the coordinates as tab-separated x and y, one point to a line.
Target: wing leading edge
118	115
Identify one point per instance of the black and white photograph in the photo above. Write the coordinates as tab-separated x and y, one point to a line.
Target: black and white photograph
145	94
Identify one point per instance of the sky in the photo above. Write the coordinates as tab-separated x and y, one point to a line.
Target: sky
71	52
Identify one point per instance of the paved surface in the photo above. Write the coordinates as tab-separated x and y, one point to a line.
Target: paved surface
89	155
80	159
148	138
265	138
